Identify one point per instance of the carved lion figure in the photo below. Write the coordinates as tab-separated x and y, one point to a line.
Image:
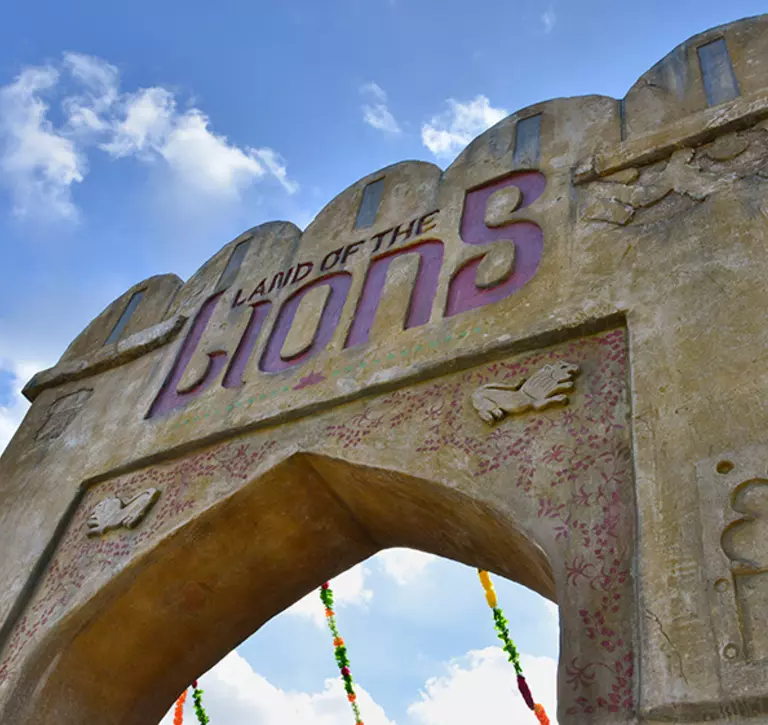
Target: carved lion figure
543	389
112	513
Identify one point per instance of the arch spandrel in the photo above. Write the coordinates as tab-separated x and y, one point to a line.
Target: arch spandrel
419	467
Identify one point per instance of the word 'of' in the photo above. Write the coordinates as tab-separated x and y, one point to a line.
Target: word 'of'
338	257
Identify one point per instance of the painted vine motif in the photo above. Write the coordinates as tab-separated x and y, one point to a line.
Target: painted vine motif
599	546
80	558
587	500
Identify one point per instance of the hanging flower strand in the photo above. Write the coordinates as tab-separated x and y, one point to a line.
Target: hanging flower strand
340	651
502	631
178	711
197	699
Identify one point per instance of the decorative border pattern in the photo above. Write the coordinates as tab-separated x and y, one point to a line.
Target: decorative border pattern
314	377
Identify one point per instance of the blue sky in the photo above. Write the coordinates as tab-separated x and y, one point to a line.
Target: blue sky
138	138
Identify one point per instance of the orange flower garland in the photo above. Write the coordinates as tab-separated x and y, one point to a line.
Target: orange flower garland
178	712
197	697
509	647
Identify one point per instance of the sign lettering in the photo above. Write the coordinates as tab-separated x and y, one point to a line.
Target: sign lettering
464	293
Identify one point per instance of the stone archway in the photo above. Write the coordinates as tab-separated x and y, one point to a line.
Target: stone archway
244	528
561	332
183	610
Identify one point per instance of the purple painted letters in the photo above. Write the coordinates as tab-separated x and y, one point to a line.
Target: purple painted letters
430	261
233	378
463	293
271	362
170	396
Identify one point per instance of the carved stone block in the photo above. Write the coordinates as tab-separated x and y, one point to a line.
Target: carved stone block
112	513
545	388
734	513
61	413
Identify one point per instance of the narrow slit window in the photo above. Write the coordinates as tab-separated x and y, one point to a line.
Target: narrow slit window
369	204
720	84
527	141
229	275
125	318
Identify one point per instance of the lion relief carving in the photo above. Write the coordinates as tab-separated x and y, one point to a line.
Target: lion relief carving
545	388
112	513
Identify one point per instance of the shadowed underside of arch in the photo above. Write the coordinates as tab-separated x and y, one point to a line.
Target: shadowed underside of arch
122	658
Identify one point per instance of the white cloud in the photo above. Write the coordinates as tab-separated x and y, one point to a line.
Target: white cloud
481	687
276	165
205	160
404	565
236	695
450	132
39	164
152	128
348	588
554	612
13	413
477	687
549	18
376	113
99	83
145	124
351	588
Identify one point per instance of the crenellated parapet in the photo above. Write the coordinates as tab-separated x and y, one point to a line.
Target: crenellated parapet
679	130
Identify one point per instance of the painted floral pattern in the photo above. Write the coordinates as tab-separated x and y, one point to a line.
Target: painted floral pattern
592	520
80	558
573	463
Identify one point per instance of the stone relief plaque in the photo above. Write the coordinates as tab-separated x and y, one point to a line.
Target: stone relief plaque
545	388
734	515
111	513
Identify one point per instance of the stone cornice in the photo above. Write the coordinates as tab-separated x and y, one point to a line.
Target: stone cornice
110	356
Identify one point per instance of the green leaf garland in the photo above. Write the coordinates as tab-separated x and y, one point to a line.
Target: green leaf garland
197	699
340	651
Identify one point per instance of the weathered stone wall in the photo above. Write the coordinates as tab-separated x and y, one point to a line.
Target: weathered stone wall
359	384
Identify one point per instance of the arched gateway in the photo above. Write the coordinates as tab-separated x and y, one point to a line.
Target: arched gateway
547	361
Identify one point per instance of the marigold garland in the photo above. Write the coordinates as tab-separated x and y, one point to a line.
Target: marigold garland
502	630
340	651
178	712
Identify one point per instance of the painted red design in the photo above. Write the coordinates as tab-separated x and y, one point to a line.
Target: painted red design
80	558
313	378
599	546
585	499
